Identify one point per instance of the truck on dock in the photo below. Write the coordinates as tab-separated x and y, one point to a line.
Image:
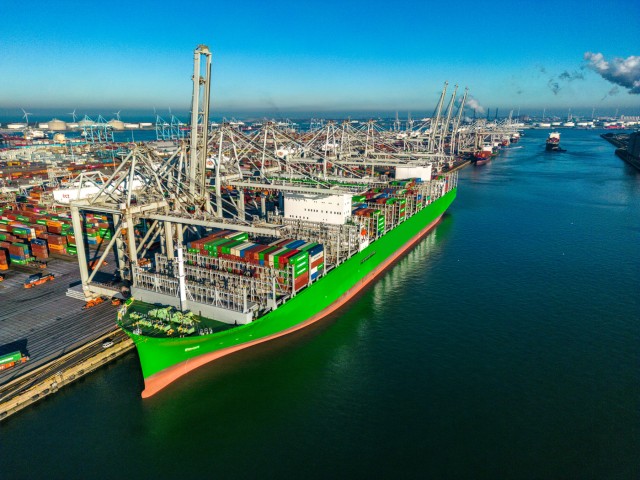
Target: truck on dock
10	359
38	279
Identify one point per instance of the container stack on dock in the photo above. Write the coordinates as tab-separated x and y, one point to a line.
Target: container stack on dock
4	261
19	253
31	232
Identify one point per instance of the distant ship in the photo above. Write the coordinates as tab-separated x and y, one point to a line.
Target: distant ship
483	156
553	143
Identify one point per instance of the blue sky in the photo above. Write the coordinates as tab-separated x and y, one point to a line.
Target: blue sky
322	56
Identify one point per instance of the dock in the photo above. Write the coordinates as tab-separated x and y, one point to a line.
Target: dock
37	384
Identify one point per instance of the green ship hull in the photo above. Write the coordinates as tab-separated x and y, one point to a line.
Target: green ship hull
164	360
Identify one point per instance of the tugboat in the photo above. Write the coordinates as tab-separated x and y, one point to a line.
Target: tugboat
553	143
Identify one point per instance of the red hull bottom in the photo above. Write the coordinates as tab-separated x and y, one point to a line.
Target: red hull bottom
158	381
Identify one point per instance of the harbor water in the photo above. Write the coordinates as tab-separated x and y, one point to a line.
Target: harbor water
505	345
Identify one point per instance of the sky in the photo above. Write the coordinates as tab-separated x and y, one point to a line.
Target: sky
281	57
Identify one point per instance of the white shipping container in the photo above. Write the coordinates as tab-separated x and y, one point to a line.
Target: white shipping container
236	250
414	172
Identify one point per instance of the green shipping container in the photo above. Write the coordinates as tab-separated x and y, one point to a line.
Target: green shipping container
308	247
226	248
300	269
299	258
10	358
244	236
214	243
267	251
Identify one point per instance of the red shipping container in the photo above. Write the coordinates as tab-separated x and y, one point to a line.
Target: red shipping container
57	240
284	259
282	243
302	280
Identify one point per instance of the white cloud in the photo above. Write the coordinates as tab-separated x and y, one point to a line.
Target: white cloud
621	71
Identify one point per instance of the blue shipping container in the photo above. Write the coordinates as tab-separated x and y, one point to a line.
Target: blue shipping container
295	244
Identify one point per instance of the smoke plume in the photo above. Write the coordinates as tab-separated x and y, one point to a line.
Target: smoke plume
473	104
570	77
614	91
624	72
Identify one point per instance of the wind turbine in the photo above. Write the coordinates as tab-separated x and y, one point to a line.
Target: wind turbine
117	114
73	115
26	115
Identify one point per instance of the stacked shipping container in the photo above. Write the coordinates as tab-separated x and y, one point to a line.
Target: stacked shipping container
303	260
36	232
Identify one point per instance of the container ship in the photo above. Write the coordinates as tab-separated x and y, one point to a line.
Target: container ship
240	237
553	143
265	288
484	156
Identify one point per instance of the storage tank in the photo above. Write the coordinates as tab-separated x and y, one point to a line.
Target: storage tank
59	138
56	125
116	124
